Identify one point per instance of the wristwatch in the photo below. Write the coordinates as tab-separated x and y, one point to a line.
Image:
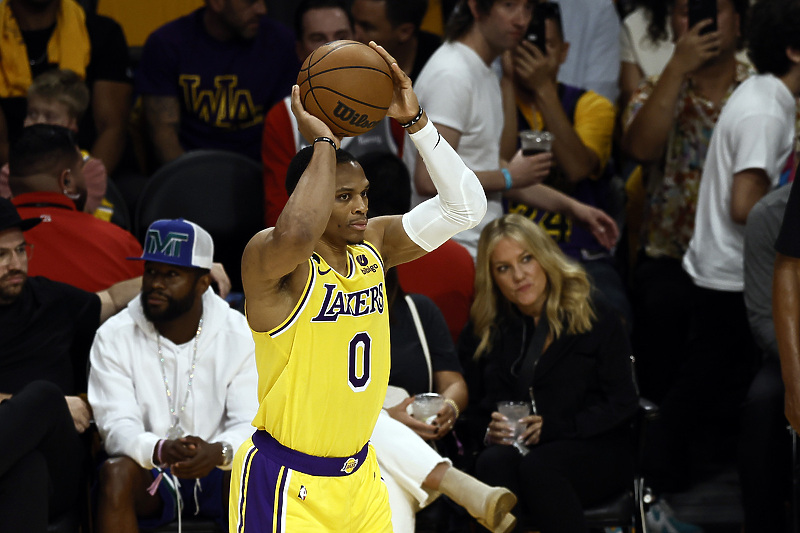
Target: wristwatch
227	454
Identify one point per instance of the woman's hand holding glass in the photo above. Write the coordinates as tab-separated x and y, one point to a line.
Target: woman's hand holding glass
438	428
503	431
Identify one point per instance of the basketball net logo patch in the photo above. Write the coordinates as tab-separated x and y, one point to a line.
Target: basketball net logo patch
303	493
349	465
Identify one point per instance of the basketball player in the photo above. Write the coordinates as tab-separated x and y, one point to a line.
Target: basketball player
316	303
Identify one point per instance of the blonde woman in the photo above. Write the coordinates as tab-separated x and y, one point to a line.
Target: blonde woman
538	334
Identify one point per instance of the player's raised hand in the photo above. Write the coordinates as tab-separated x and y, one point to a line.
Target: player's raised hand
404	106
310	126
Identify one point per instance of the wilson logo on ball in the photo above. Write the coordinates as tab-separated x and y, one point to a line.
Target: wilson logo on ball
350	116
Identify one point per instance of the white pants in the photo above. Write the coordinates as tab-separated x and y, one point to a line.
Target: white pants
405	461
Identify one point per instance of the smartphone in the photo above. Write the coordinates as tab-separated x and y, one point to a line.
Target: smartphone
701	10
535	31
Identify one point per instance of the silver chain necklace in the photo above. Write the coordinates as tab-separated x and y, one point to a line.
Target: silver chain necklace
175	430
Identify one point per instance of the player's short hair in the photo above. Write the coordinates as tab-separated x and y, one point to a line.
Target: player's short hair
307	5
389	183
773	28
42	148
65	86
300	161
461	18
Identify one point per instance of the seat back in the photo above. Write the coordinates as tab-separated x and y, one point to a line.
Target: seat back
221	191
627	510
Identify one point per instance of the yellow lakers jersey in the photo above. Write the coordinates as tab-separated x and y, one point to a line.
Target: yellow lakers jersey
323	372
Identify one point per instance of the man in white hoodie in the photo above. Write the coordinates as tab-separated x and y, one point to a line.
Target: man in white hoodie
173	388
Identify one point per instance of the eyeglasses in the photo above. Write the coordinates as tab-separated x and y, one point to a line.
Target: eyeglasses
23	251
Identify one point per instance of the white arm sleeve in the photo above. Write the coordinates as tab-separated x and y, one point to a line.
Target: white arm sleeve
461	202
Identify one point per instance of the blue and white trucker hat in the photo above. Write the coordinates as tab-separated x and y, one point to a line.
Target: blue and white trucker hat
178	242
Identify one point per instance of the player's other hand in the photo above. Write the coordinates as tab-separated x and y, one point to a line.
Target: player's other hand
404	106
310	126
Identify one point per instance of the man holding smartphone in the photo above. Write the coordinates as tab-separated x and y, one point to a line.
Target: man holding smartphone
459	89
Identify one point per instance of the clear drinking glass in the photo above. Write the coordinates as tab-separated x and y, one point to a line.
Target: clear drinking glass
426	406
535	142
514	411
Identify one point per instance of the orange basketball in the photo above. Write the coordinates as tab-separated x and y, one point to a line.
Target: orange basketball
347	85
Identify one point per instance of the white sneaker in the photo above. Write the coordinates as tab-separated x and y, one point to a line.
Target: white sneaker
660	518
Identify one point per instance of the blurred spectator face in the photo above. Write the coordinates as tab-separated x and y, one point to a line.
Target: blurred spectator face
372	24
505	24
242	17
727	23
554	42
320	26
49	111
13	264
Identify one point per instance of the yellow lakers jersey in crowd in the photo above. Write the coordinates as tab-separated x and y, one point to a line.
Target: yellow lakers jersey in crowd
323	372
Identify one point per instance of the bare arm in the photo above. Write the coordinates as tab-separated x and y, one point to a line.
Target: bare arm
646	138
630	76
163	116
597	221
508	142
275	258
116	297
451	385
786	314
749	186
111	108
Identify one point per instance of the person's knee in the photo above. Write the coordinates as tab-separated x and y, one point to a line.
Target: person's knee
25	477
119	477
44	393
496	461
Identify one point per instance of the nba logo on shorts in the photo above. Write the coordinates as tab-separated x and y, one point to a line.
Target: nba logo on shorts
303	493
349	465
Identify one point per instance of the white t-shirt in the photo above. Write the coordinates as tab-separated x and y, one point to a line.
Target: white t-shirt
754	130
636	46
458	90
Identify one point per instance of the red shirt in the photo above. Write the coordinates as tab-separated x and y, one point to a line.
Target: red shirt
74	247
446	276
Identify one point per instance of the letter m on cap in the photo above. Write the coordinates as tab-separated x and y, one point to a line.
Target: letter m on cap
170	246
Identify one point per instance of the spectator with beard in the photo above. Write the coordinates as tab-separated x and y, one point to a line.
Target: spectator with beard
47	328
173	387
74	247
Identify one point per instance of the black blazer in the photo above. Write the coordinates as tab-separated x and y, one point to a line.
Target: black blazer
582	383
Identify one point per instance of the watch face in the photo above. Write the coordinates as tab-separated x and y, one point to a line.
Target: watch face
227	454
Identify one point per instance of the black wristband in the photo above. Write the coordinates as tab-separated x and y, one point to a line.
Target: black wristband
325	139
413	120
